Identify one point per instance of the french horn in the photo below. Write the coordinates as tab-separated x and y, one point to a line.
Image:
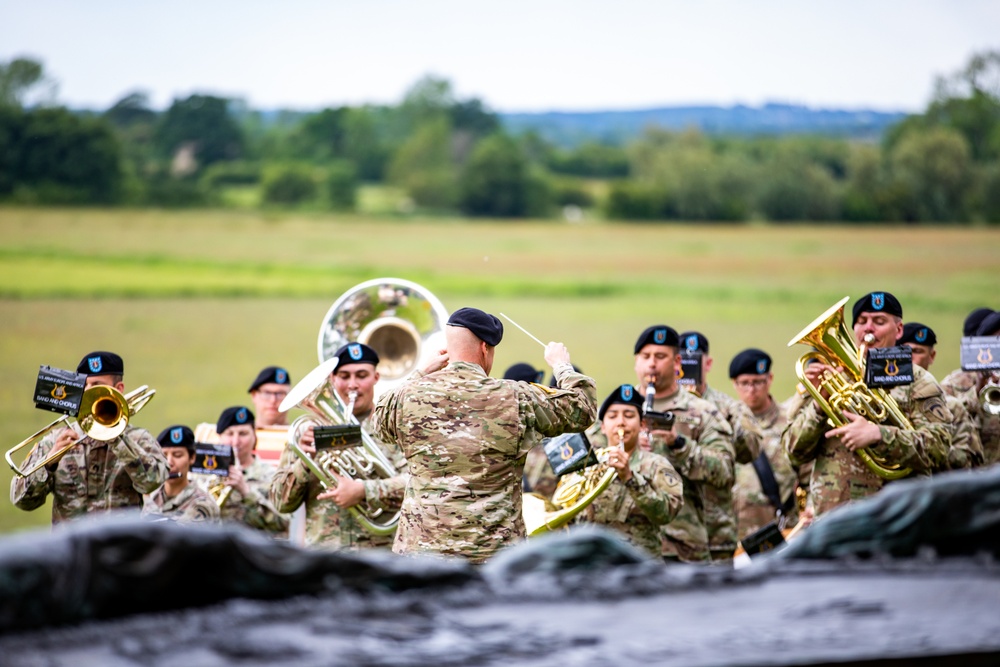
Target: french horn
833	345
104	413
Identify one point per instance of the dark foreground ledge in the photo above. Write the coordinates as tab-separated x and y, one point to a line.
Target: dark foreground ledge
894	589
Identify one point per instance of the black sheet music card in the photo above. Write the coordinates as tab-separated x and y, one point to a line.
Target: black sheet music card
690	375
212	459
980	353
889	367
59	391
337	436
569	452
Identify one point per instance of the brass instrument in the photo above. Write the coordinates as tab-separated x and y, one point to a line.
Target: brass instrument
400	320
574	492
104	414
315	393
989	395
833	344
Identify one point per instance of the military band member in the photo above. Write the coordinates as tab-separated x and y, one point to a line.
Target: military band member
960	381
722	524
179	499
329	523
699	446
538	475
967	386
465	436
93	476
647	493
267	391
751	373
838	474
966	451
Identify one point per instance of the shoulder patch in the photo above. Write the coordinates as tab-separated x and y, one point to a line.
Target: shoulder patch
936	408
551	391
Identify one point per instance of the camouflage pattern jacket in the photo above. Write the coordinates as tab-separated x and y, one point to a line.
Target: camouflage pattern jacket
465	436
753	508
839	475
193	504
705	460
93	476
639	508
963	386
720	523
966	449
327	525
256	511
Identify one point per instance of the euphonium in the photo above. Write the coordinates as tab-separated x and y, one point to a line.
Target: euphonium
104	414
316	394
574	492
834	346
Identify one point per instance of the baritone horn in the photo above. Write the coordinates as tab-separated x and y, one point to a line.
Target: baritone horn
315	393
834	346
104	414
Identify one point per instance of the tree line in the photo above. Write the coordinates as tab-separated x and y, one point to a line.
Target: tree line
453	156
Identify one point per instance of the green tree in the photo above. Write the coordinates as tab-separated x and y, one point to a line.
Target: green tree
933	172
203	124
424	167
498	181
18	78
289	185
341	185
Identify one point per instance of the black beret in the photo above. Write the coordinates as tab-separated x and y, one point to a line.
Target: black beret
626	394
694	341
233	416
275	374
101	363
974	319
990	326
658	334
877	302
486	327
356	353
750	362
524	373
915	332
176	436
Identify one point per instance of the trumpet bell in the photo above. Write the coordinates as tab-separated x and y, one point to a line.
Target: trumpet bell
104	413
402	321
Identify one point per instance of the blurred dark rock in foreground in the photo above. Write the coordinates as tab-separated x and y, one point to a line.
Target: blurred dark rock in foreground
910	577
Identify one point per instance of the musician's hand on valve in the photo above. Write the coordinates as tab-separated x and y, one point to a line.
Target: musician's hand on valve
555	354
65	438
307	441
237	481
618	459
348	492
857	434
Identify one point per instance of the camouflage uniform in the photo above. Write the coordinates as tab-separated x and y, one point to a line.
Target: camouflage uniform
538	475
93	476
327	525
641	506
963	386
256	511
465	436
840	475
753	508
720	511
966	450
706	459
191	505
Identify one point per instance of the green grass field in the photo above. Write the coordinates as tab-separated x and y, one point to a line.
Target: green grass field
197	302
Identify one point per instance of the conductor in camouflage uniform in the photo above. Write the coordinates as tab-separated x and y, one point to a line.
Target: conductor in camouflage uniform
647	492
329	521
179	499
465	436
720	522
699	445
93	476
839	475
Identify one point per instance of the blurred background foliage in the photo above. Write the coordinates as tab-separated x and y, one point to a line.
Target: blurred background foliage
436	154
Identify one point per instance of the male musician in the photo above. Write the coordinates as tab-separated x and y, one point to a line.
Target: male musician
766	486
329	521
178	499
699	445
720	522
538	476
960	381
966	450
465	436
267	391
647	493
93	476
967	385
249	477
838	474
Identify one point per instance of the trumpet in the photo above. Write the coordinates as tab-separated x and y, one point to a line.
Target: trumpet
989	395
104	414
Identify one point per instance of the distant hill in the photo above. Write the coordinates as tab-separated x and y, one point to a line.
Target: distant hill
570	128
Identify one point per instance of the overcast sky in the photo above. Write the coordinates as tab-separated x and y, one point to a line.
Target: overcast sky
515	55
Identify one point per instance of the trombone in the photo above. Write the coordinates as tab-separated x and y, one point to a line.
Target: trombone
104	414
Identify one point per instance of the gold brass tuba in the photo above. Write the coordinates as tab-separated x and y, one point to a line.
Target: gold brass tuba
316	394
574	492
104	414
400	320
834	346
